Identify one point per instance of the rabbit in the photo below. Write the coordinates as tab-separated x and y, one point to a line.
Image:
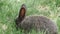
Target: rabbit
38	23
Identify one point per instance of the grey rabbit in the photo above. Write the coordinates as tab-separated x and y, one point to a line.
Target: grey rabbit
38	23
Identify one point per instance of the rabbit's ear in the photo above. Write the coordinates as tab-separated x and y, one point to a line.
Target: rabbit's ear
22	11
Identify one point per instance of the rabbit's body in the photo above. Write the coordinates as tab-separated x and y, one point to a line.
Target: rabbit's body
38	23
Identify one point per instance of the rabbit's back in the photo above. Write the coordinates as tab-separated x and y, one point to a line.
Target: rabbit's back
38	23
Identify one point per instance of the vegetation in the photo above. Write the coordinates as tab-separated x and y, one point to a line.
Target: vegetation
9	10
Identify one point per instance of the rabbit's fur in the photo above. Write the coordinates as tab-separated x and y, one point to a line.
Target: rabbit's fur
38	23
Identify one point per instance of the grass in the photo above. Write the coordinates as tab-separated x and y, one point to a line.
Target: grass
9	10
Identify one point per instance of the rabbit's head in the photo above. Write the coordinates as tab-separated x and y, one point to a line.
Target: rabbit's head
21	15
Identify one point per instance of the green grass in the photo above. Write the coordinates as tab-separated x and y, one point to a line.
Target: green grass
9	10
